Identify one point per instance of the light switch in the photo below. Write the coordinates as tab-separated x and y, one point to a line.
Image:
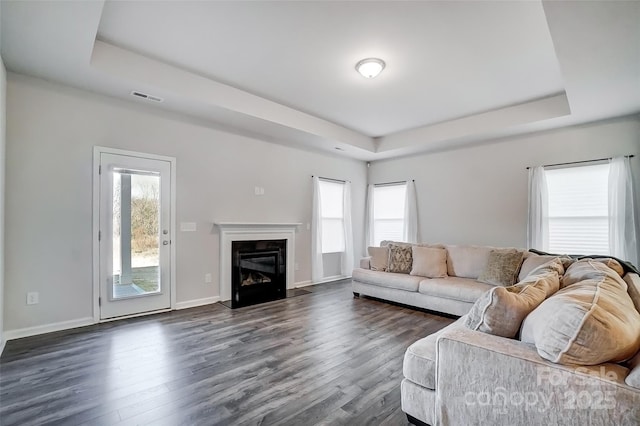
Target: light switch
187	226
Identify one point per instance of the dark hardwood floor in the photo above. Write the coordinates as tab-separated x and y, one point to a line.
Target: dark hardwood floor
321	358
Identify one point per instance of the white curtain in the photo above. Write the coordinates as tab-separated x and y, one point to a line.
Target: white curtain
369	225
410	230
538	221
347	256
622	226
317	268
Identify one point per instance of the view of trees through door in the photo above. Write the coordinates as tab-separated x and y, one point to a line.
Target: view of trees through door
136	236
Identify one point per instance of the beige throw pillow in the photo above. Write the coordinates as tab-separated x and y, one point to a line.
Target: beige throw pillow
379	258
502	268
531	262
429	262
400	258
501	310
589	322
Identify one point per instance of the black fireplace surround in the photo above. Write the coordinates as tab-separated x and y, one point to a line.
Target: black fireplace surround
259	272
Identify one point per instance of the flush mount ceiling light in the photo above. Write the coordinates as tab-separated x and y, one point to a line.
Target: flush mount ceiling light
370	67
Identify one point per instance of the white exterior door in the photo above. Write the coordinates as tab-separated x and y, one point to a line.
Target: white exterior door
134	234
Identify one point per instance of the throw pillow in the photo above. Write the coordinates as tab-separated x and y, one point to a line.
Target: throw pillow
429	262
502	268
467	261
531	262
501	310
379	258
400	258
590	322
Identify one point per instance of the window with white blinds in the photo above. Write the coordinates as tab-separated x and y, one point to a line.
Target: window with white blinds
578	209
388	212
332	205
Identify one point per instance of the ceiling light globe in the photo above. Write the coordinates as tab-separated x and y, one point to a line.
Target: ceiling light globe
370	67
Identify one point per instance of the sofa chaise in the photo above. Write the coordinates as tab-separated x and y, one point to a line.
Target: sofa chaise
569	354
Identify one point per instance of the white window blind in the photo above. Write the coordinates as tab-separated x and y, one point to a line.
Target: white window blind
332	204
578	209
388	212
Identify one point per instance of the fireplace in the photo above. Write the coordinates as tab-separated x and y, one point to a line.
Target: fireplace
259	272
234	232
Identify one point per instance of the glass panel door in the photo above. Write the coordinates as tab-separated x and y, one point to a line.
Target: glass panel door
134	220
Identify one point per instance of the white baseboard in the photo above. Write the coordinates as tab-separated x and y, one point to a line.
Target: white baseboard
302	284
48	328
197	302
3	342
330	279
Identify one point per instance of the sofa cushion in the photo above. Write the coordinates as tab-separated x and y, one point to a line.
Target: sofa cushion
583	269
419	364
633	288
387	279
502	267
463	289
379	258
501	310
400	258
589	322
467	261
429	262
531	262
633	378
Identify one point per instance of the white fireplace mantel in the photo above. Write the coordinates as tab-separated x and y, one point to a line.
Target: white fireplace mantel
247	231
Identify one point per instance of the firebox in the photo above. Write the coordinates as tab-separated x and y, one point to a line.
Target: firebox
259	272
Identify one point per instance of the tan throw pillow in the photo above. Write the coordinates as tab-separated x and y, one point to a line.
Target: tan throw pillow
502	268
590	322
400	258
379	258
501	310
467	261
429	262
531	262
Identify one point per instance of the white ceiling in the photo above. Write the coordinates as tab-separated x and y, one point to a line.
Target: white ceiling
457	72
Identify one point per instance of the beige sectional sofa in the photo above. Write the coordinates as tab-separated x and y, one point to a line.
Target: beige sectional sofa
454	294
462	376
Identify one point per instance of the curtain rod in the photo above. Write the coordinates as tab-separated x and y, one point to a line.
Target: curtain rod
580	162
392	183
332	180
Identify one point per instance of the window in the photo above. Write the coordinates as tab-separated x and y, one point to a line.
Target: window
388	212
332	205
578	209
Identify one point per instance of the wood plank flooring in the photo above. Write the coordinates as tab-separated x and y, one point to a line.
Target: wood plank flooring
323	358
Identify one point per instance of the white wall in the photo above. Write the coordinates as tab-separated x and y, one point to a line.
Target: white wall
478	195
50	137
3	126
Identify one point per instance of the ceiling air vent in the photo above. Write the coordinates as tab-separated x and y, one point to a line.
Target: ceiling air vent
146	96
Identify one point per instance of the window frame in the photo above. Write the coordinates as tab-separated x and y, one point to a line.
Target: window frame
323	218
376	238
575	219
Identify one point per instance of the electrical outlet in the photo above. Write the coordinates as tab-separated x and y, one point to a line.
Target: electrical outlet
208	278
33	298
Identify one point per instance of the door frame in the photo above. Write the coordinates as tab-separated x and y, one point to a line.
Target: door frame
97	151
